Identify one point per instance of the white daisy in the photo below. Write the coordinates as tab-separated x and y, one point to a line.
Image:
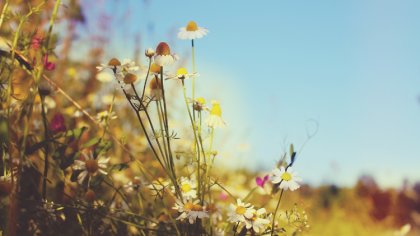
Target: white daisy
192	31
133	185
215	118
238	211
287	179
158	186
258	221
188	188
163	56
182	74
90	166
190	210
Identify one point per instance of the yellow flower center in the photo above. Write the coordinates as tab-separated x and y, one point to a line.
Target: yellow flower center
186	187
188	206
197	208
181	71
286	176
216	110
240	210
154	68
163	49
192	26
201	100
91	166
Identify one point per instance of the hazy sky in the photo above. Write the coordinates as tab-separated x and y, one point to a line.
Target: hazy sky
279	67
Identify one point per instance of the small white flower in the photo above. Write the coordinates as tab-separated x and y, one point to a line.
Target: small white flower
215	118
158	186
133	185
163	56
90	166
190	210
238	211
258	221
104	116
287	179
188	188
182	74
192	31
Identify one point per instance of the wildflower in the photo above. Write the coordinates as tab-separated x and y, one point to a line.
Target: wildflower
238	211
158	186
112	64
130	78
155	86
90	166
36	42
215	118
261	181
286	178
163	55
182	74
199	104
257	220
149	52
128	66
104	116
192	31
190	210
57	123
133	185
188	188
49	66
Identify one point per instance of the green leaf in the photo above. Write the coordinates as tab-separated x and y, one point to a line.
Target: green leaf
91	142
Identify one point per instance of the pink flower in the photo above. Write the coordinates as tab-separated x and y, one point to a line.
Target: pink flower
261	181
49	66
57	123
36	42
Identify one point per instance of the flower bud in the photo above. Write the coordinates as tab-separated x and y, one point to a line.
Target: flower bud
149	52
90	195
130	78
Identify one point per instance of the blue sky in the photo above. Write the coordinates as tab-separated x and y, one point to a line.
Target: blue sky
278	66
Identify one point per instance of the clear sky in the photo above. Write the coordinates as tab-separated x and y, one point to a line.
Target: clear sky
278	67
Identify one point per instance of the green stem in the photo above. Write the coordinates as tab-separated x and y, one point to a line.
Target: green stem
3	12
46	148
275	212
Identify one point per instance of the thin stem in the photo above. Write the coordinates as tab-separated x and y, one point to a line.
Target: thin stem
46	148
162	132
275	212
193	79
3	12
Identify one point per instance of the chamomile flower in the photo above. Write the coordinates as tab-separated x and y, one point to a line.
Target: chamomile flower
240	210
287	178
163	56
158	186
182	74
133	185
190	210
90	166
104	116
192	31
113	64
155	87
188	188
258	221
215	118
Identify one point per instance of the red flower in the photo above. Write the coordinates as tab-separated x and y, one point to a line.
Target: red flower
49	66
57	124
